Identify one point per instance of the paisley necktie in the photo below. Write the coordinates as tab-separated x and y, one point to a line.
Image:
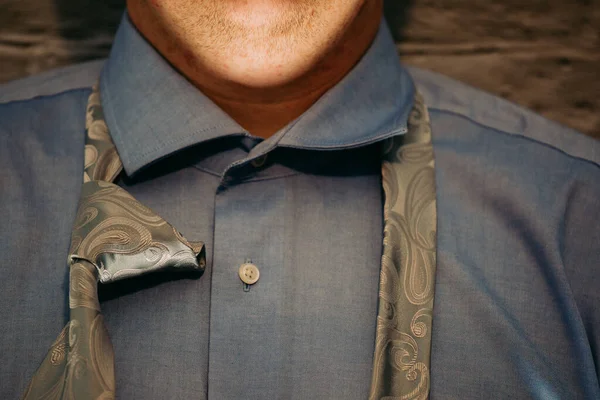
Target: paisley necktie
116	237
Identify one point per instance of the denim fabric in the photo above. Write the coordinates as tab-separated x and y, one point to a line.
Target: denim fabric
515	312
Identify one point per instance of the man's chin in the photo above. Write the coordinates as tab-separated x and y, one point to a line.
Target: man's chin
261	76
270	16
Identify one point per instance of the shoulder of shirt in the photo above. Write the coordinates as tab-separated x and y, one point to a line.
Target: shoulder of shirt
52	82
500	116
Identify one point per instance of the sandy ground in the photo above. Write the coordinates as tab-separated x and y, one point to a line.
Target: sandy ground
542	54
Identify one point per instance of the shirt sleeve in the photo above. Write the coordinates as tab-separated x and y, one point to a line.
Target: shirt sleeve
580	248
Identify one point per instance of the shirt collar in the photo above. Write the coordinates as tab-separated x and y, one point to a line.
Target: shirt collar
153	111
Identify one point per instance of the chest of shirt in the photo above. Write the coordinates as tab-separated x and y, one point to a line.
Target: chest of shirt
314	232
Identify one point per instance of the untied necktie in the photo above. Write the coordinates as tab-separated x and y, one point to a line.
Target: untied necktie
116	237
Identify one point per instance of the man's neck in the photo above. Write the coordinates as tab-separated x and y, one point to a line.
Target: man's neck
263	110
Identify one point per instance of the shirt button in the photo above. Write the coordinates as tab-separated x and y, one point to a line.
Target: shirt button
249	273
259	161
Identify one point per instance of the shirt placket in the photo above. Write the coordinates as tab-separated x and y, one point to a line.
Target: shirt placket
247	246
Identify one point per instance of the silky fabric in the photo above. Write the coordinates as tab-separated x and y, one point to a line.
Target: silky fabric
406	287
116	237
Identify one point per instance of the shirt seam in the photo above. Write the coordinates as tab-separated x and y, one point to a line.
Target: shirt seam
179	140
362	140
42	96
506	132
213	173
336	146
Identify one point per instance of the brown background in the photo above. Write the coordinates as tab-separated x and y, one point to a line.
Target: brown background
542	54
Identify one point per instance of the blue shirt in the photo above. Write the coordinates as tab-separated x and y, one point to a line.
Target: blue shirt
516	297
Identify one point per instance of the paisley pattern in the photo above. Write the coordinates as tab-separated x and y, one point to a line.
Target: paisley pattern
116	237
83	290
124	238
403	336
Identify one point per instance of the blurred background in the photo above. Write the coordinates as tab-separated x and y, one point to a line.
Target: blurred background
542	54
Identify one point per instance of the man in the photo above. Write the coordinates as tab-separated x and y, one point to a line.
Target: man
257	128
